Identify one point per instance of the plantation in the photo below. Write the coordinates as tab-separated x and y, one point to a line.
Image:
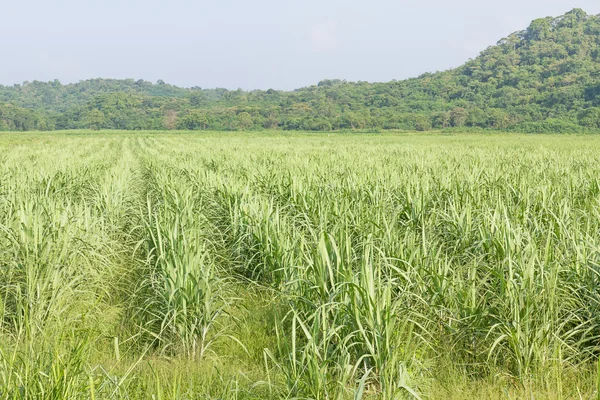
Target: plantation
298	265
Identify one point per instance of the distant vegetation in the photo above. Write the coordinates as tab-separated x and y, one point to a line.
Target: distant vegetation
543	79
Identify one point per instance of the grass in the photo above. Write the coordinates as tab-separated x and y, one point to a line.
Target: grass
298	265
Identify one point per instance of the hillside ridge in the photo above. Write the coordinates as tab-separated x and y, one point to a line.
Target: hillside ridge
545	78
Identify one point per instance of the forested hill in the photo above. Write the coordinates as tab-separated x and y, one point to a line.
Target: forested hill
543	79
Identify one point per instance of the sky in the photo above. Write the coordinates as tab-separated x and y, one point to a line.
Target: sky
254	44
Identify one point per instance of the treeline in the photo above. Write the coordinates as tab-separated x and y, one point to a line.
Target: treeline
543	79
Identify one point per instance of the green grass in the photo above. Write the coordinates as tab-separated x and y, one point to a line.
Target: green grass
298	265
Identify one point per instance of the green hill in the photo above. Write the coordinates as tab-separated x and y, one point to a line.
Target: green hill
543	79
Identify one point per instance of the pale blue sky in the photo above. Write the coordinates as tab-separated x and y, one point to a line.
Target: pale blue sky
258	44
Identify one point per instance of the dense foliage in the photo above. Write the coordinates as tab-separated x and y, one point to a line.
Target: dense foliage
299	266
543	79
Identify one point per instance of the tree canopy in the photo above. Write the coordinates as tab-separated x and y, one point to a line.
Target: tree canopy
545	78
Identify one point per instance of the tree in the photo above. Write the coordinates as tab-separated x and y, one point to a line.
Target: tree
170	119
95	119
589	117
244	122
539	29
193	121
422	123
458	117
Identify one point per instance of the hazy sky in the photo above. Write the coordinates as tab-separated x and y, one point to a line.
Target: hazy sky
254	44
